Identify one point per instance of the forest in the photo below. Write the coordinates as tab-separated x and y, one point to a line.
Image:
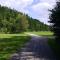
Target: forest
13	21
20	32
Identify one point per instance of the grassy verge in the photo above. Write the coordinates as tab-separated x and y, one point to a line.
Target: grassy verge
11	43
43	33
55	47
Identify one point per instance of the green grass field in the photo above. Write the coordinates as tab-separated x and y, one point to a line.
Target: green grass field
11	43
42	33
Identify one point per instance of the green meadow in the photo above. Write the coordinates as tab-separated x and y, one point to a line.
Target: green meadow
42	33
11	43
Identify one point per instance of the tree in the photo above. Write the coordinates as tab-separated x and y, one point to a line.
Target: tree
12	21
23	22
55	20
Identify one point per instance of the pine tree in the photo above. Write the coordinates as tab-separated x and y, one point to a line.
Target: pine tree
55	19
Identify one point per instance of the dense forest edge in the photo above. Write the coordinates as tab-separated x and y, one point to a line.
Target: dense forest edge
13	21
55	21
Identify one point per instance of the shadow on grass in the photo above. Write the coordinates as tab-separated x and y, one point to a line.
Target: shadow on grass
11	45
48	36
55	47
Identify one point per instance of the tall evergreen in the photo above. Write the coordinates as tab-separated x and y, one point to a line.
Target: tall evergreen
55	20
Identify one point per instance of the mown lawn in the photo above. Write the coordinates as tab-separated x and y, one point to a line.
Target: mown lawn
11	43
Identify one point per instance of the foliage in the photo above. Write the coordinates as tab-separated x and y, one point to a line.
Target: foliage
55	20
36	25
12	21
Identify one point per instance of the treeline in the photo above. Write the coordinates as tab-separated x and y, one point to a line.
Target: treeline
36	25
12	21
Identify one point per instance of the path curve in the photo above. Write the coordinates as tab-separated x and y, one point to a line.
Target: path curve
36	49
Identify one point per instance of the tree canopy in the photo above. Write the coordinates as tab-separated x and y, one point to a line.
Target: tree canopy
12	21
55	20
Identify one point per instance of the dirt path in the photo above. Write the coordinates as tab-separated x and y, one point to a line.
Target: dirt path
36	49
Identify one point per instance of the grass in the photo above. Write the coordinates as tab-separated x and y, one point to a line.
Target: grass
11	35
43	33
55	47
11	43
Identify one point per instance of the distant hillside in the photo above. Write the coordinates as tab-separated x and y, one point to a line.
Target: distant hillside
12	21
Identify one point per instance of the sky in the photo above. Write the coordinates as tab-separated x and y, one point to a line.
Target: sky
37	9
